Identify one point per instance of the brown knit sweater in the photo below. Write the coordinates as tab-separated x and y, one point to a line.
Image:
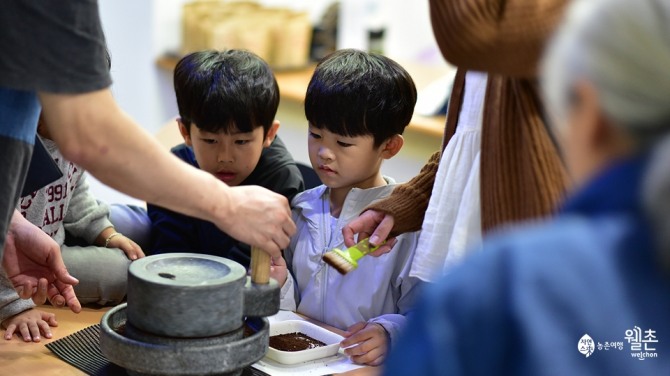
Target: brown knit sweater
522	176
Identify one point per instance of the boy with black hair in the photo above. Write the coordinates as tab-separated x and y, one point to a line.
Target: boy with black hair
227	103
357	105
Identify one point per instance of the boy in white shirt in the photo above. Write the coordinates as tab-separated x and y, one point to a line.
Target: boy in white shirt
357	105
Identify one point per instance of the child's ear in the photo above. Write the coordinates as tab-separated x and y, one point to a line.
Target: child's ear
272	133
184	132
392	146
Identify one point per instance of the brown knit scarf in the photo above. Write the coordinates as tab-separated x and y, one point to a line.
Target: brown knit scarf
521	176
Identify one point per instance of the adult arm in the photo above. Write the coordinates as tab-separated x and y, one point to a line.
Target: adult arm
402	211
93	132
495	36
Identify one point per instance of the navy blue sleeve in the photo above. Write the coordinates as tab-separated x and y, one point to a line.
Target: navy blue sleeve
170	232
276	170
287	181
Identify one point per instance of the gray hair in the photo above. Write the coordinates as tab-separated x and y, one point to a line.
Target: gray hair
622	47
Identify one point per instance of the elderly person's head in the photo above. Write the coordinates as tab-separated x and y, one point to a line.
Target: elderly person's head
606	80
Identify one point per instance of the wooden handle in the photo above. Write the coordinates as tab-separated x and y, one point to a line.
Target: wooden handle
260	266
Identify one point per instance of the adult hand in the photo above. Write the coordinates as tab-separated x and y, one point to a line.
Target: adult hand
259	217
374	225
33	263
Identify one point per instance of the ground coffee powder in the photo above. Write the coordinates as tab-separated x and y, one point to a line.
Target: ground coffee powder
294	342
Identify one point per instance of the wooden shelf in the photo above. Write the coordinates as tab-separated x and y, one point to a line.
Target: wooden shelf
293	85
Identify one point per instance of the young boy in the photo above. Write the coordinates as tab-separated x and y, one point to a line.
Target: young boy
100	263
227	104
357	105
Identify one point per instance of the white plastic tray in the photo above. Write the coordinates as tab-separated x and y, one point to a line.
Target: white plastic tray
331	340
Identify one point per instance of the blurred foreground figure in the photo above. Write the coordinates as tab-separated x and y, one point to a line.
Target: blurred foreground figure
587	293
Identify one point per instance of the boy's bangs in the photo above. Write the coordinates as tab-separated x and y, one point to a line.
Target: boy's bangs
216	117
339	114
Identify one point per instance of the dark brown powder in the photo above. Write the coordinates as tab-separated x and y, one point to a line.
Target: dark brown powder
294	342
248	330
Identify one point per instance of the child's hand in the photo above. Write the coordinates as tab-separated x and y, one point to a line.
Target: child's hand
278	270
30	324
129	247
365	343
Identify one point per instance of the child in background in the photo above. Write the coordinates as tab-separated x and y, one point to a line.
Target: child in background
227	104
357	105
100	264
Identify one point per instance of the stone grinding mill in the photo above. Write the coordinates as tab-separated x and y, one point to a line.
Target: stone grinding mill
186	315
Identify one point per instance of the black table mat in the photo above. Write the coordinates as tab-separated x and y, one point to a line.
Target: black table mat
82	350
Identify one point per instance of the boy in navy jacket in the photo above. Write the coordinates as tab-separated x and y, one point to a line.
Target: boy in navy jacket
227	104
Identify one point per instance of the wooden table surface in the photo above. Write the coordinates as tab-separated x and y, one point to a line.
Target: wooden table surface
20	358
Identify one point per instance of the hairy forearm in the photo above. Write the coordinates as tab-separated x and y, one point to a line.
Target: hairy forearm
93	132
495	36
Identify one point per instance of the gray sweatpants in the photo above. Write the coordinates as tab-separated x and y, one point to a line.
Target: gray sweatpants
102	273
